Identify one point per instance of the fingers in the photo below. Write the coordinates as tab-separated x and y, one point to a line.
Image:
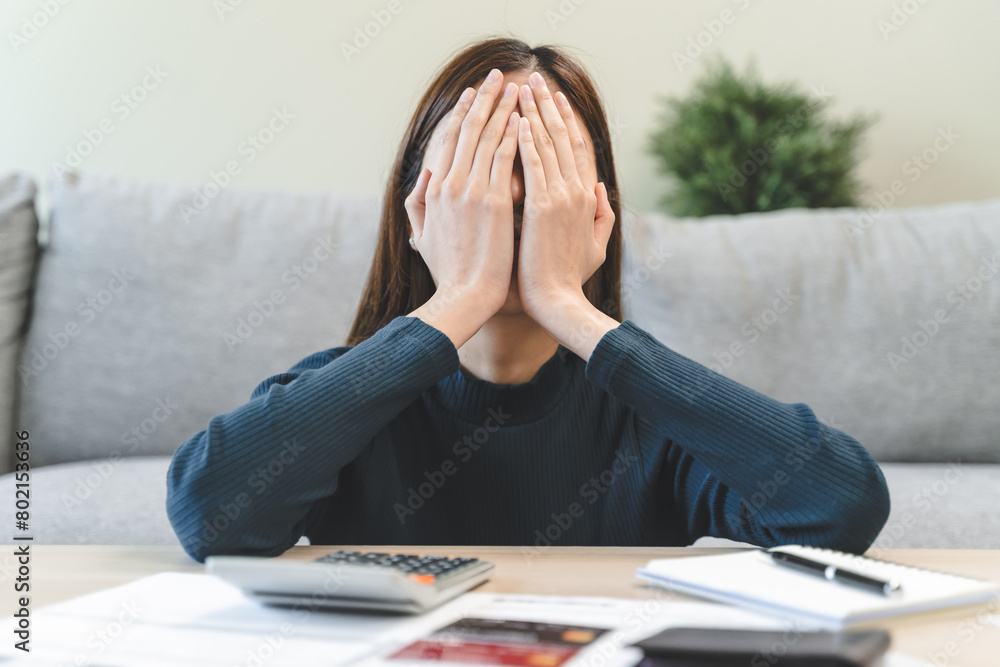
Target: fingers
531	162
604	217
554	126
503	158
473	123
581	157
494	133
415	203
543	141
452	129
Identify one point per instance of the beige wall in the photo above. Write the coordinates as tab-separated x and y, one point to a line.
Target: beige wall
226	73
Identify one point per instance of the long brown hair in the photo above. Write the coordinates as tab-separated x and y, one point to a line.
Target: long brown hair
399	281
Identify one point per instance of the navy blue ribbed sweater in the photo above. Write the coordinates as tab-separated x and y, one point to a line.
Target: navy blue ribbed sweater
391	442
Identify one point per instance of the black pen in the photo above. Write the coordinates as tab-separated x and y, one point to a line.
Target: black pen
834	573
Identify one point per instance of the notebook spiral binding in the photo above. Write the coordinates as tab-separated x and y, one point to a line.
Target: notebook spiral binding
866	564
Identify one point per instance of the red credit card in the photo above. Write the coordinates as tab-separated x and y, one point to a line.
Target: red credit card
488	641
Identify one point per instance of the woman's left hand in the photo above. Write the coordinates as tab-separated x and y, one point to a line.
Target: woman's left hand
567	217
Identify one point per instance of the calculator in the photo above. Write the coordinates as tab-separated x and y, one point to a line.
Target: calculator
399	583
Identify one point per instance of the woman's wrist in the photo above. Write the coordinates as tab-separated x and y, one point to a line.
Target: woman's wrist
575	323
455	313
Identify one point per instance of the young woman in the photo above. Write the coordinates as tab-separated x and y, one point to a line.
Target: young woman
489	392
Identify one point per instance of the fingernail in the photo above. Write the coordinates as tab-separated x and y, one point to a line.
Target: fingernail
526	93
494	75
509	89
536	79
525	125
467	95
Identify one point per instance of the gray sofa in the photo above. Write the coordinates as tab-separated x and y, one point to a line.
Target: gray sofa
150	310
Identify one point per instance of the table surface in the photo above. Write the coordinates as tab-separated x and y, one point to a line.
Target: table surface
956	638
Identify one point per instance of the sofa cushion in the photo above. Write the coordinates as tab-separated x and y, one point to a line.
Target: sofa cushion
886	324
103	501
156	312
949	505
18	254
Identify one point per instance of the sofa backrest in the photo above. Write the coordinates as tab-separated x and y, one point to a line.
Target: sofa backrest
157	310
886	323
18	254
147	325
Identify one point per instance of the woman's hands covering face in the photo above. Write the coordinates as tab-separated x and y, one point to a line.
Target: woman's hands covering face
567	217
461	207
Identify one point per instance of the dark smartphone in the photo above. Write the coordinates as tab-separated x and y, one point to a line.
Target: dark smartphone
719	647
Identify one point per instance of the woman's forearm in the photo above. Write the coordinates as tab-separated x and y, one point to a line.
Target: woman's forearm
246	483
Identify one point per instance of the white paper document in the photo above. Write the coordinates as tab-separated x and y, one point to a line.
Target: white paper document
197	620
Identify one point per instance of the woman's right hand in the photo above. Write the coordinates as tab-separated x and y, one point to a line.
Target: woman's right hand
461	207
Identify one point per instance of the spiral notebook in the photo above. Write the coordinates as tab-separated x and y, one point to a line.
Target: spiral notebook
751	579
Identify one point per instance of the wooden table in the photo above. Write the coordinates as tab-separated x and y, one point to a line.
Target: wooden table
957	638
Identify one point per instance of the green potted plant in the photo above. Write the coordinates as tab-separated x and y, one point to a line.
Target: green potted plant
736	145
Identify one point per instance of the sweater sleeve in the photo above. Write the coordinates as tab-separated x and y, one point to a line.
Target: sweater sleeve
742	465
246	484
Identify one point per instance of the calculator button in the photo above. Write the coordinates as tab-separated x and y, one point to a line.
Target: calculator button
422	578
